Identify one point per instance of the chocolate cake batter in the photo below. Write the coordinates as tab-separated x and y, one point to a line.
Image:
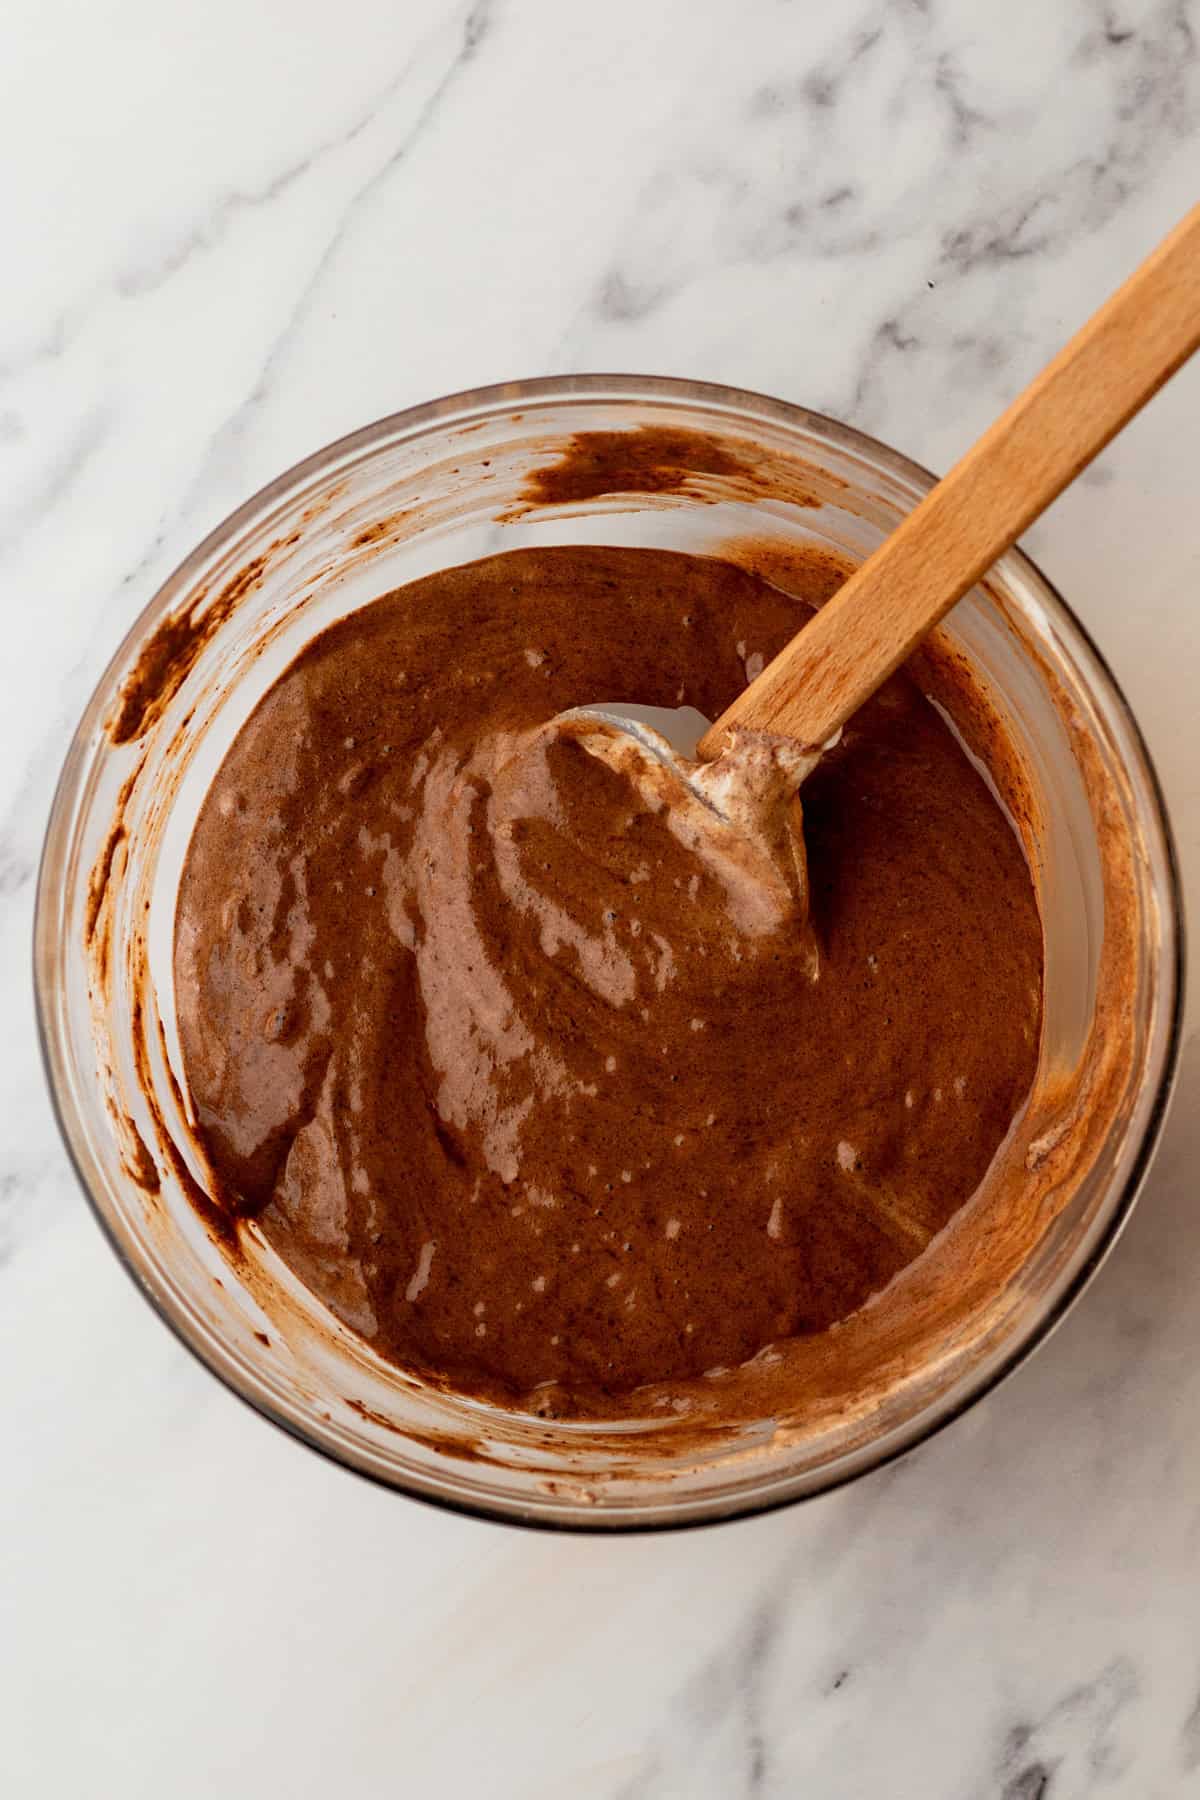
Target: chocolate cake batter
543	1092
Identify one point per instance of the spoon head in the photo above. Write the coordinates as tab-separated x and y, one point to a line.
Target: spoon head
738	813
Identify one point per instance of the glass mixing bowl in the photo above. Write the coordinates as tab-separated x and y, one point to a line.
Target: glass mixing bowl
442	484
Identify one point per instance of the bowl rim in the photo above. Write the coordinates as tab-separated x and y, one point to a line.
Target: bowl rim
751	407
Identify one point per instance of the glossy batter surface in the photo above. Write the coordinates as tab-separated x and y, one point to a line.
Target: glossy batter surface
541	1097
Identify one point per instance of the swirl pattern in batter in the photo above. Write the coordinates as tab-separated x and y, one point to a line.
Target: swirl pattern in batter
545	1096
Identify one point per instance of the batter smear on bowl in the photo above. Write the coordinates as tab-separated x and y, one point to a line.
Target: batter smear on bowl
541	1098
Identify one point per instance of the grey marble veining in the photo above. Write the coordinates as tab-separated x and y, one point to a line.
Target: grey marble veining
235	232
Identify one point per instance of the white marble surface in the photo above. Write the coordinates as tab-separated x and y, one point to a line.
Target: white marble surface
230	233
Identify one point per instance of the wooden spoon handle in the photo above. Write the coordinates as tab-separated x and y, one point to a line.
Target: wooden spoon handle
1063	419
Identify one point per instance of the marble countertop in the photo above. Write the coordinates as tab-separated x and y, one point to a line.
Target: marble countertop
235	231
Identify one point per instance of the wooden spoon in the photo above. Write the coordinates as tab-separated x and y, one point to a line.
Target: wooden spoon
1064	418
